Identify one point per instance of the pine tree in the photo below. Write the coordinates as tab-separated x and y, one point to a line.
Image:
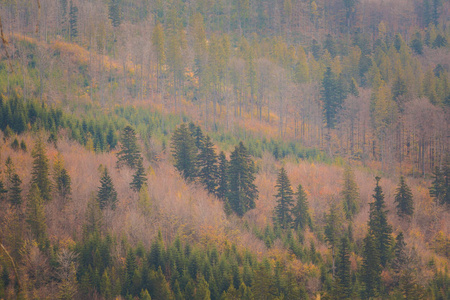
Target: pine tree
184	152
350	193
207	165
332	232
35	215
378	225
3	191
332	95
400	257
40	172
222	180
300	212
73	21
139	178
404	200
129	153
284	200
15	191
242	190
343	280
61	178
114	13
371	267
107	195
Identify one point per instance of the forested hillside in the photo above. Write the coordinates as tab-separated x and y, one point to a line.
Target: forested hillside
224	149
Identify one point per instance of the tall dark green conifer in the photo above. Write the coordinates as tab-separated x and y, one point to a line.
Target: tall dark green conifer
282	213
129	153
378	225
114	13
343	279
139	178
222	180
300	212
73	21
184	152
107	195
40	172
371	268
207	165
3	191
242	190
350	193
404	200
15	191
332	95
35	215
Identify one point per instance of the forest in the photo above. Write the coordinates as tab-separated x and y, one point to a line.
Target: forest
224	149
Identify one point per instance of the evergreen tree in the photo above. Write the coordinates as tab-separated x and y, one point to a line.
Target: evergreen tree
332	95
404	200
40	172
35	215
284	200
3	191
378	225
350	193
300	212
401	258
343	280
242	190
61	178
371	267
129	153
222	179
440	186
139	178
107	195
73	21
332	232
15	191
207	165
114	13
184	152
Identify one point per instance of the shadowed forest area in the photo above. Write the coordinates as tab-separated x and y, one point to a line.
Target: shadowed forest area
224	149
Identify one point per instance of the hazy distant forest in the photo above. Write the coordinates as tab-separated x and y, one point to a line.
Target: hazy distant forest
224	149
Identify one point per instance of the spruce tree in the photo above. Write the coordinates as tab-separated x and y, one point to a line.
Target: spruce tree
40	171
207	165
343	280
61	178
129	153
15	191
332	232
184	152
73	21
300	212
114	13
371	267
378	224
222	180
3	191
332	95
242	190
107	195
139	178
400	257
35	215
350	193
404	200
284	200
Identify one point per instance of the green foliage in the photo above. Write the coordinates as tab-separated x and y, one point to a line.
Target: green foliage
404	200
15	190
300	212
222	177
440	187
379	226
35	215
129	153
61	178
242	190
107	195
282	213
350	193
343	279
332	94
114	13
207	166
40	172
139	178
73	21
184	152
371	268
